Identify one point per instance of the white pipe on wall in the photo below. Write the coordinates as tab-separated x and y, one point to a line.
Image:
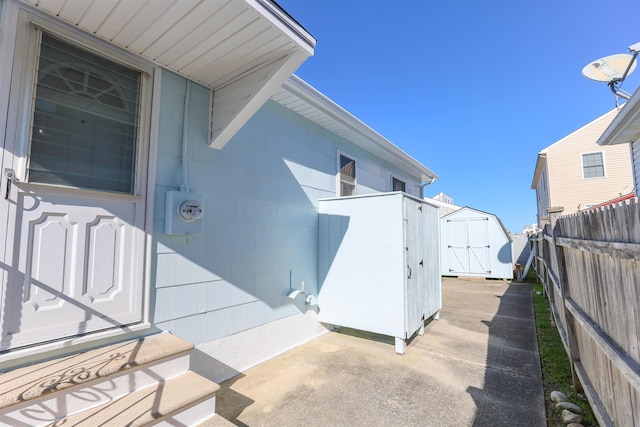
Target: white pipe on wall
185	136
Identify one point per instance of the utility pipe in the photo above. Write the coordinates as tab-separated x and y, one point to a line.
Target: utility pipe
185	135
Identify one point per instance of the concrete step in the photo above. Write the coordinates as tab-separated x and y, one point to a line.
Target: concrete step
184	400
217	421
144	380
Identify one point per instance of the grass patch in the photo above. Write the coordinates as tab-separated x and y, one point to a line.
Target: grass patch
556	370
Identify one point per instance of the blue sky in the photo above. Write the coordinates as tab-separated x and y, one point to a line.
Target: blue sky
471	89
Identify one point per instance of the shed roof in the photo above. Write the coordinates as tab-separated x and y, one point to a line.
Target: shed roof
467	208
241	49
300	97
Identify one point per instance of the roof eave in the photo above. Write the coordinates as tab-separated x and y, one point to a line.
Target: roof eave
625	128
243	50
541	162
341	117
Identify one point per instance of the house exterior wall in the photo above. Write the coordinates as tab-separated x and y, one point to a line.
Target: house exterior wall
567	186
226	286
635	155
542	195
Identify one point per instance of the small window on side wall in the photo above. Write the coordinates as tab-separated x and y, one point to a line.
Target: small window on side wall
347	176
592	165
398	185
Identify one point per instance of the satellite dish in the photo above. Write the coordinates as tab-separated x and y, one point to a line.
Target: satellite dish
610	68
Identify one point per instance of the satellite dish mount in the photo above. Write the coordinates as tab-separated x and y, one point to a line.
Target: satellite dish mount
613	70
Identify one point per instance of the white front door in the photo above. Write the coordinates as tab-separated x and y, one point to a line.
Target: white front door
75	244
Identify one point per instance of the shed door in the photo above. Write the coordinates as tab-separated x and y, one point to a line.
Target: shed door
468	249
415	253
478	244
74	254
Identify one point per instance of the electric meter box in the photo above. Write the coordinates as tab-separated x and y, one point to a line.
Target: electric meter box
183	213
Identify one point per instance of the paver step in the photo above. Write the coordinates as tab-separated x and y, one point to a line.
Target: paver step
33	381
131	383
166	401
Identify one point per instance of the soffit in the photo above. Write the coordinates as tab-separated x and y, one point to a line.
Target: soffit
301	98
212	42
243	49
626	126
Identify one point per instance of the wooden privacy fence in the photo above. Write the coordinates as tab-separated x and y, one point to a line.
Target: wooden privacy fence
589	264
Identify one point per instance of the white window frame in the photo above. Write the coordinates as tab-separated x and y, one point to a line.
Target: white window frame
604	165
24	77
340	153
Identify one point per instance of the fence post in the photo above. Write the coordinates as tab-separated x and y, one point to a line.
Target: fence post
565	294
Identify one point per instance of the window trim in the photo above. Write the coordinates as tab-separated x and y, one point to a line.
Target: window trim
604	168
403	181
114	80
339	154
23	81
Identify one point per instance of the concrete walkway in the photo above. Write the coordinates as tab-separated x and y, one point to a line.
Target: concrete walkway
476	366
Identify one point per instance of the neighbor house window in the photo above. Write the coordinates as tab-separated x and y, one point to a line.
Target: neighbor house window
397	185
85	119
592	165
347	176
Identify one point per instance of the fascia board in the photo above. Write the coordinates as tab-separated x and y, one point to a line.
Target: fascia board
287	24
541	162
321	102
561	140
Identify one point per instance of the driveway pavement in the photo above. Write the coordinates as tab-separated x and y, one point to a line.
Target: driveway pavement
476	366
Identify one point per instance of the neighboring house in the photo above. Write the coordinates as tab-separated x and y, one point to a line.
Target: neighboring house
576	173
444	202
625	129
163	174
475	244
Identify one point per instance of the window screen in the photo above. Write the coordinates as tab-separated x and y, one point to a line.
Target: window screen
85	120
592	165
347	176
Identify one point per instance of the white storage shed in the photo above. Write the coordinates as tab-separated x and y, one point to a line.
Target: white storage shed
475	244
379	264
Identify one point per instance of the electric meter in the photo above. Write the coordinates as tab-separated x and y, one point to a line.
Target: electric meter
190	210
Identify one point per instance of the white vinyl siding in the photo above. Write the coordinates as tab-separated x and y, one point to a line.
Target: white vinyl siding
567	186
635	155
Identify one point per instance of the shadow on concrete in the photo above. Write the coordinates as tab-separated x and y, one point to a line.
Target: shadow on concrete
513	378
229	403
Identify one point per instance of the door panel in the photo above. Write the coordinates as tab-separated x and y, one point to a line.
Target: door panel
457	251
415	282
478	245
76	267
